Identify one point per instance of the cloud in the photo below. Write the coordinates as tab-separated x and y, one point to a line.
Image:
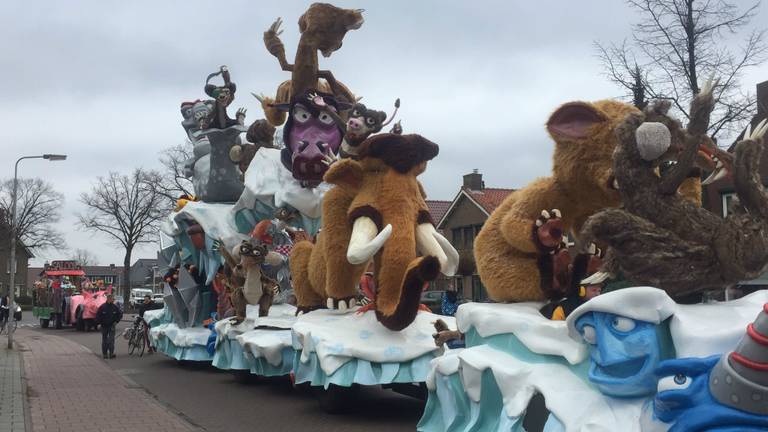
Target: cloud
102	81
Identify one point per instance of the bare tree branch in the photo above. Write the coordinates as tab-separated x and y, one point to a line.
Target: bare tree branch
83	257
38	208
679	43
124	209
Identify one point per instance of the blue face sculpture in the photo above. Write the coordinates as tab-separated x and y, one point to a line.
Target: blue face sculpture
684	400
624	353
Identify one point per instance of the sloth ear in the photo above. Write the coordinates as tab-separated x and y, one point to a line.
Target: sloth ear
574	120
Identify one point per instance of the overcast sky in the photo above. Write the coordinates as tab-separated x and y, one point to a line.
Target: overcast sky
102	81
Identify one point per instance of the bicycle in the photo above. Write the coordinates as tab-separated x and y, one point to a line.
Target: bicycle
138	337
13	325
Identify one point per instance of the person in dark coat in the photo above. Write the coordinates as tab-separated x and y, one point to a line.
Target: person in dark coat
107	317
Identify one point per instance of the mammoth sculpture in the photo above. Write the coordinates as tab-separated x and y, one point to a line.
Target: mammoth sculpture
387	221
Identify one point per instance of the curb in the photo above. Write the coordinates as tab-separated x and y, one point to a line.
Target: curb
24	389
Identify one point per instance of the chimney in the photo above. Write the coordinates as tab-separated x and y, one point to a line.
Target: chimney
762	100
474	181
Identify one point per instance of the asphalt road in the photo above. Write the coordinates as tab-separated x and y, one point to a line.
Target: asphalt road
218	401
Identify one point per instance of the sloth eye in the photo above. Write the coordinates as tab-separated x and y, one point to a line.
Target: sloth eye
301	115
355	113
325	118
370	121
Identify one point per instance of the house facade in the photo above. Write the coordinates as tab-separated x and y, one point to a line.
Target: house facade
460	223
23	255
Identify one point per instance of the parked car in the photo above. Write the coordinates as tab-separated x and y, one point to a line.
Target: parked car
158	299
137	296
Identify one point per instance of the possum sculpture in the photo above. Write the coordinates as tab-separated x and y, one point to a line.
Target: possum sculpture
662	240
515	249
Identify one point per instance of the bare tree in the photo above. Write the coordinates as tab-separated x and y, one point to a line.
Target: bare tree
172	182
38	208
124	209
83	257
680	43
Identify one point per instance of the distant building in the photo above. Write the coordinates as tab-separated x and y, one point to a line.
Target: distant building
23	255
145	274
460	222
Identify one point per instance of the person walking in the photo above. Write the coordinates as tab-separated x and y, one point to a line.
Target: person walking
4	309
107	317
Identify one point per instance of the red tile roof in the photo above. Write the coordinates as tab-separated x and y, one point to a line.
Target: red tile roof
438	209
489	198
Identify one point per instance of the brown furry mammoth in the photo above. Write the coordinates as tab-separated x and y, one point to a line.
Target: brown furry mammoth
380	214
514	251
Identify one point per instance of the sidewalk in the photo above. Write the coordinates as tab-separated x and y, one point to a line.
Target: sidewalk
11	390
71	389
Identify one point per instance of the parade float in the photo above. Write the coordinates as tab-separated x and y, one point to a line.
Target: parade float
631	359
263	264
297	209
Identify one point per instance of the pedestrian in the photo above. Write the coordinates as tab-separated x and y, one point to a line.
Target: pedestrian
107	317
450	303
146	305
5	307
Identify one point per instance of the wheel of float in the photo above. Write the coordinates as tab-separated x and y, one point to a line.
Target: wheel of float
43	323
336	399
79	322
59	323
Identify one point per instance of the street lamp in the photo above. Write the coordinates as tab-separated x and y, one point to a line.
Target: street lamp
12	288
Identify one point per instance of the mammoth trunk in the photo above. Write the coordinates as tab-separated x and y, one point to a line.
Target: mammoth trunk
400	280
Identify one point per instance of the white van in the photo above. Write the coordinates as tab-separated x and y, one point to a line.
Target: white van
137	295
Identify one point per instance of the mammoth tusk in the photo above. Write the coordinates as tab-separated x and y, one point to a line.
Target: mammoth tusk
430	242
365	242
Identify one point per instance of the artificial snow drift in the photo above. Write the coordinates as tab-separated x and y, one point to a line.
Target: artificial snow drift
514	352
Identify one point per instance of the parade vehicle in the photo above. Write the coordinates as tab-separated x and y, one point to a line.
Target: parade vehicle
58	283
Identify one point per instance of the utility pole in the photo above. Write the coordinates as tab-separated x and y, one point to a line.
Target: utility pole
14	240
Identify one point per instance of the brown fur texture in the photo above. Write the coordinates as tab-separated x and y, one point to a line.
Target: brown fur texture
383	187
242	269
323	27
663	240
506	248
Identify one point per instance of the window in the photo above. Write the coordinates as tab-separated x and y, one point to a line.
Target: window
727	200
469	237
457	237
478	291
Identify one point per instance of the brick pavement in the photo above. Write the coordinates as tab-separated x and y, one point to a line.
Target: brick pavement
11	391
71	389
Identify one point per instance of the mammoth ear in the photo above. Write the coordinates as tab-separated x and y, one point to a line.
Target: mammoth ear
346	172
574	120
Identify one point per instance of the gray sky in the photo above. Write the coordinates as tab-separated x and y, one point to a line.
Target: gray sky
102	81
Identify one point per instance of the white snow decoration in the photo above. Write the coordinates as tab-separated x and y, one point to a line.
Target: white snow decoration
280	316
338	338
181	337
216	219
639	303
716	328
267	344
268	181
153	314
536	332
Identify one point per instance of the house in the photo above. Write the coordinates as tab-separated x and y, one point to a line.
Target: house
145	274
23	255
460	223
718	196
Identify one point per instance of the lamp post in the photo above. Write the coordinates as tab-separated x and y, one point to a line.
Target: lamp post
12	288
